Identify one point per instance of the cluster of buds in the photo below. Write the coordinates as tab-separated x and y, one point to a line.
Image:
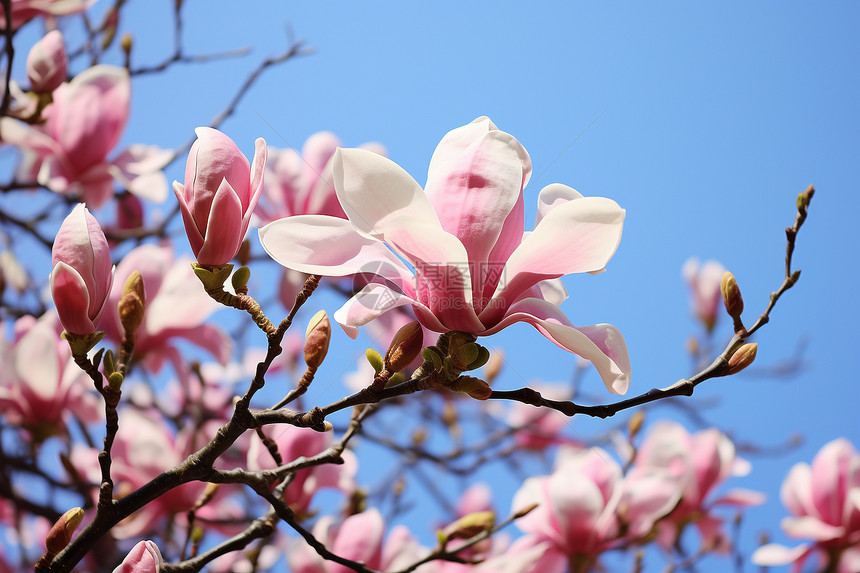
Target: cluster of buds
455	353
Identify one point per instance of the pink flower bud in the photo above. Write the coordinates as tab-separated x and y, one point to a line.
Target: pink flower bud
220	193
405	346
46	63
144	557
83	273
317	339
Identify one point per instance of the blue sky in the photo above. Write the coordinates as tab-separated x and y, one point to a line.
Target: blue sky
702	120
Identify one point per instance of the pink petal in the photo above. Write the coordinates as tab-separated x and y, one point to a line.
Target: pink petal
22	135
834	470
742	497
602	344
808	527
72	299
374	300
139	169
192	231
774	554
373	190
37	362
553	196
796	490
328	246
223	234
359	539
577	236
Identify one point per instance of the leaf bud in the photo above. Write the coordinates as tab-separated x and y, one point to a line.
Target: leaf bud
468	526
405	347
374	358
474	387
317	337
240	279
132	303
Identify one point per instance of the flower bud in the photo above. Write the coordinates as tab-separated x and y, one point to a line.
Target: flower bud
61	533
132	303
144	557
405	347
731	295
46	63
634	423
494	366
220	193
742	358
317	337
468	526
83	273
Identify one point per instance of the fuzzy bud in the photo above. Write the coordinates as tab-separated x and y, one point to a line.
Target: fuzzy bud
317	337
732	295
742	358
133	302
61	533
494	366
634	423
405	347
474	387
468	526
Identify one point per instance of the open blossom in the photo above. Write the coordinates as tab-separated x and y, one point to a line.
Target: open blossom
144	557
475	270
704	283
83	272
220	193
824	500
176	307
46	63
698	463
69	153
587	506
40	384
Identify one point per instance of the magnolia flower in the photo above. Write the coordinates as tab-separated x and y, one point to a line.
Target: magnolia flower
23	10
824	499
83	273
587	506
68	154
176	307
359	537
704	283
144	557
698	463
46	63
475	270
40	384
220	193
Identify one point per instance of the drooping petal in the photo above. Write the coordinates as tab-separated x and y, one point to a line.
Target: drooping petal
329	246
374	300
602	344
577	236
809	527
774	555
373	190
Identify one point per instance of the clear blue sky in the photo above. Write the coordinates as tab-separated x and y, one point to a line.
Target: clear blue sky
702	120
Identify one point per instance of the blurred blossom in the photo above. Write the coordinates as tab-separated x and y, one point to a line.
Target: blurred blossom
68	154
824	500
12	272
359	537
705	295
698	463
220	193
585	507
23	10
476	269
302	184
539	428
46	63
83	272
40	384
293	443
176	307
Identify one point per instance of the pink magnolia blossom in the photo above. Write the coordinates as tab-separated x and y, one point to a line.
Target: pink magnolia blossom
824	500
539	428
698	463
176	307
294	443
40	384
24	10
587	506
476	270
83	272
144	557
46	63
359	538
303	184
68	154
220	193
704	283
